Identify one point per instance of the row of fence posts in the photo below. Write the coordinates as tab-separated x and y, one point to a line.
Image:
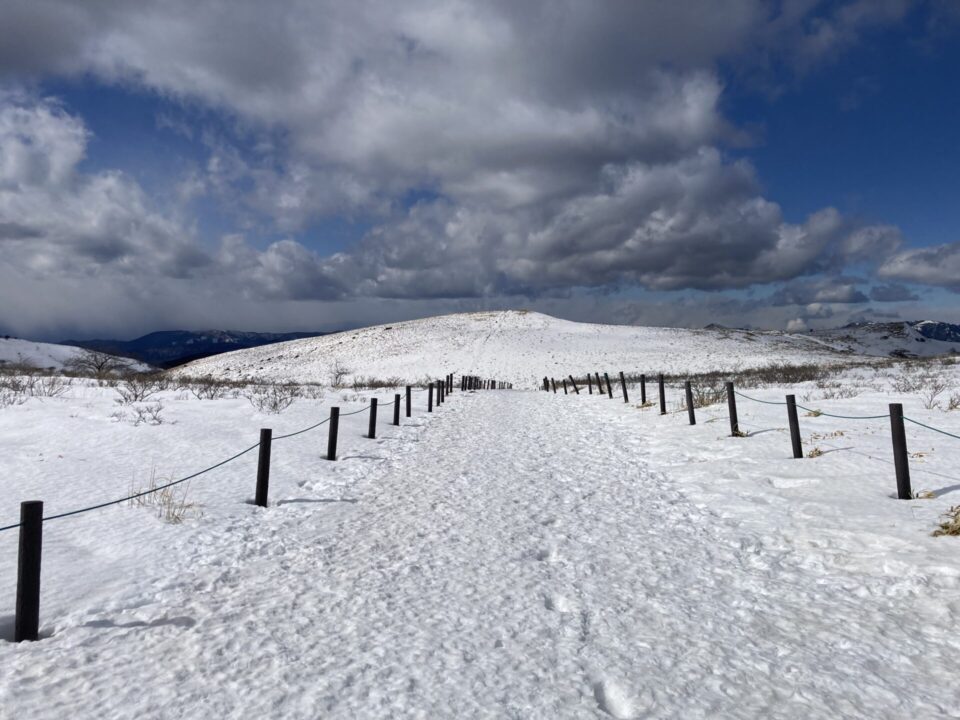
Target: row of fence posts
900	456
473	382
27	618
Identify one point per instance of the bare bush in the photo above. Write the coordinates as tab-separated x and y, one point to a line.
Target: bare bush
338	373
367	383
53	386
94	363
210	388
953	402
137	388
273	398
148	414
933	389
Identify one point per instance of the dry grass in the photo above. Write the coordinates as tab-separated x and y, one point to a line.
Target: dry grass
950	524
815	453
171	504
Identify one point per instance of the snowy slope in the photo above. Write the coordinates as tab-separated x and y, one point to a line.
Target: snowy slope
36	354
515	346
926	338
513	554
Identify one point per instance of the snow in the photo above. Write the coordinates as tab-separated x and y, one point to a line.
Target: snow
36	354
514	346
513	554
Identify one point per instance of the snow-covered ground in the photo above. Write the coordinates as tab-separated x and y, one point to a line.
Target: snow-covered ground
36	354
514	554
513	346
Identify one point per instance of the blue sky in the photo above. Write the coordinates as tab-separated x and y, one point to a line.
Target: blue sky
774	164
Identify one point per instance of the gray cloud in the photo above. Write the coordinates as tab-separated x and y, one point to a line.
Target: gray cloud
892	292
559	145
822	290
937	265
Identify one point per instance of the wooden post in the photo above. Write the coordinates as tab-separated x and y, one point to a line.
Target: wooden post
794	426
396	409
900	462
590	383
332	437
26	624
263	467
606	377
643	389
688	389
663	397
565	386
430	397
372	430
623	386
408	400
546	384
574	383
554	385
599	385
732	411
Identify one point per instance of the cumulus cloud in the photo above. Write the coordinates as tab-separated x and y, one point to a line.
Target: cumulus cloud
556	145
822	290
937	265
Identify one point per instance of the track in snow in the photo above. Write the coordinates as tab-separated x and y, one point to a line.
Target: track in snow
515	558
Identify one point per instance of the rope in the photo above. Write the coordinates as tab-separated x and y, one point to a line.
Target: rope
928	427
844	417
816	412
140	494
184	479
765	402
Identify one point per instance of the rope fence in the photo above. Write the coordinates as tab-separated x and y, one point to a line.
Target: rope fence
26	622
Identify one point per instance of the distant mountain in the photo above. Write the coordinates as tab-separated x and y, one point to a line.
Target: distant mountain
912	338
170	348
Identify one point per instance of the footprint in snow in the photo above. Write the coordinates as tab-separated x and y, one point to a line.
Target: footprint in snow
615	700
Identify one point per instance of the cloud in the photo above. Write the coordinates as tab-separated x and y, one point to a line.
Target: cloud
555	146
892	292
937	265
822	290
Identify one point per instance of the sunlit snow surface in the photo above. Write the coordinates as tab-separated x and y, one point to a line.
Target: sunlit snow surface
513	554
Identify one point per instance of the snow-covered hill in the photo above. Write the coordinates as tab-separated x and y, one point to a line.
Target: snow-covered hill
48	356
925	338
515	346
36	354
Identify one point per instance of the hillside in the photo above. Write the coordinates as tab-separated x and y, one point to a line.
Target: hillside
47	356
926	338
516	346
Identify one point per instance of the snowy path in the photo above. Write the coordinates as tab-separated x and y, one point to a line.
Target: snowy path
514	557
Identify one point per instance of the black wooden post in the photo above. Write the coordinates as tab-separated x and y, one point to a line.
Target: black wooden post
904	492
794	426
599	385
606	376
574	383
663	396
263	467
396	409
565	386
26	624
546	384
590	383
408	389
643	389
732	410
372	430
623	386
691	413
332	437
552	380
430	397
